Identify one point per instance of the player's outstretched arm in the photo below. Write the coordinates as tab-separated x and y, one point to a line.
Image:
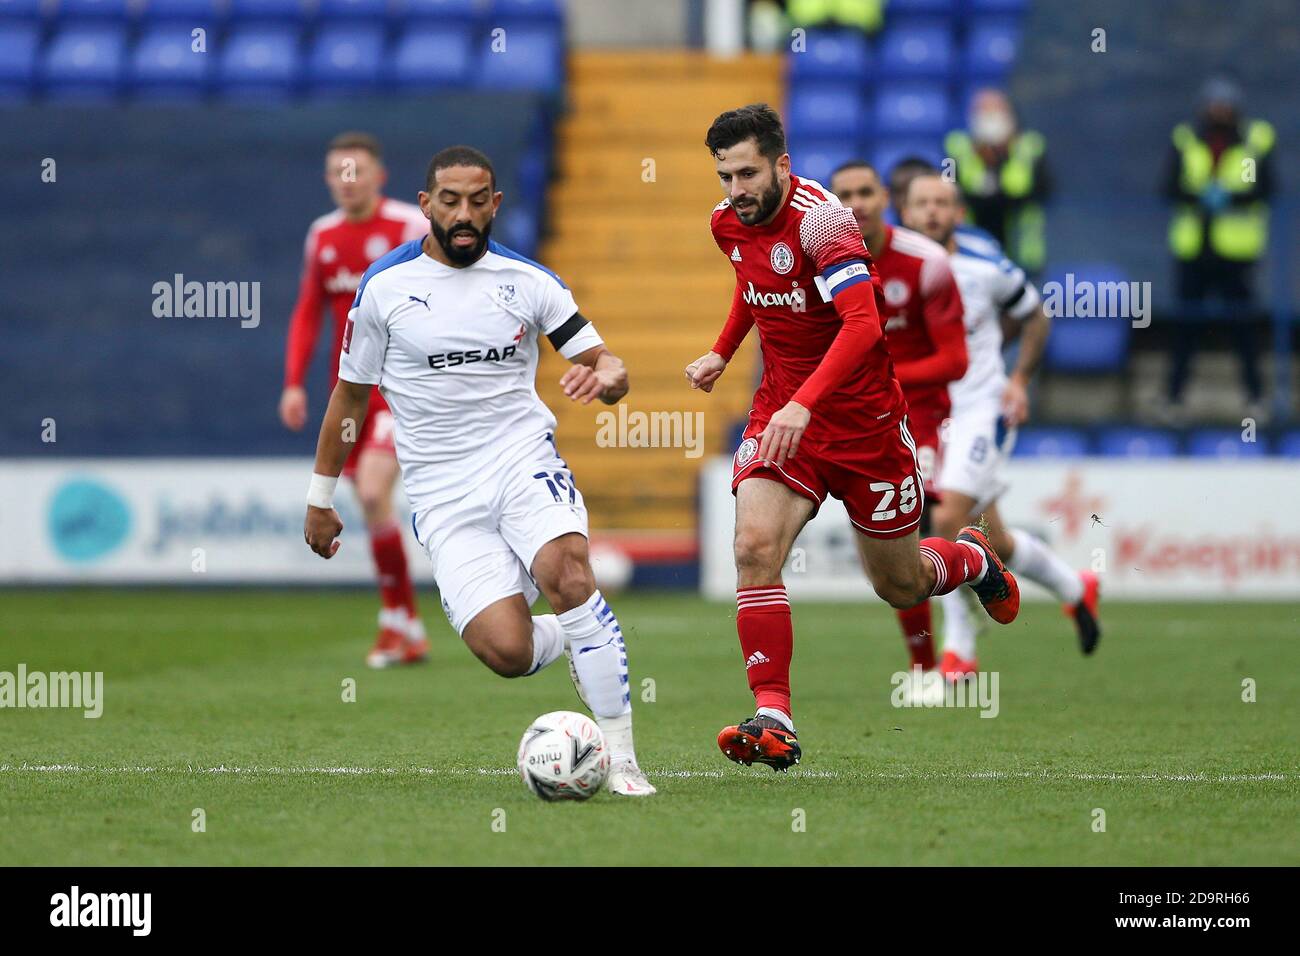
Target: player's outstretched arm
338	433
596	373
704	371
304	330
1033	342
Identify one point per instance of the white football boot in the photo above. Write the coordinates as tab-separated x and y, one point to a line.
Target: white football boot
626	780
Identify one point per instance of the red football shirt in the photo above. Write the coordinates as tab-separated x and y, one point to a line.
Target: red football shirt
785	272
335	257
923	316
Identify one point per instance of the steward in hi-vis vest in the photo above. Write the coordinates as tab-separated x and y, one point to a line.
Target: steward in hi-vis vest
1002	173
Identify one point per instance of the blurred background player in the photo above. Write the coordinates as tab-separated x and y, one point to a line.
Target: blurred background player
340	246
1002	170
922	312
493	503
1219	176
828	418
987	407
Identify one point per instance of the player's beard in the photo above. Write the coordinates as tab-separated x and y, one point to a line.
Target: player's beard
767	203
462	256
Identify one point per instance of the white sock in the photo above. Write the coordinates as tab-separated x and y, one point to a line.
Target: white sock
1039	563
414	629
548	641
596	642
980	561
618	737
958	626
778	715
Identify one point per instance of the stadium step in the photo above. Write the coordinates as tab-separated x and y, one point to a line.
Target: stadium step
636	251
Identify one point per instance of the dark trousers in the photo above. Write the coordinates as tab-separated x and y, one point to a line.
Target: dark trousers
1200	282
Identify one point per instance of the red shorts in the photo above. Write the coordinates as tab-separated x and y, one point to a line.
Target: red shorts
926	426
376	434
877	477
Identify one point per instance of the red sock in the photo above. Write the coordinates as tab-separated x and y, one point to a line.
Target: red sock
955	563
395	587
767	641
917	635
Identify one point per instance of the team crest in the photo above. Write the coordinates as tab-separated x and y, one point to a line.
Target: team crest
376	246
782	258
897	292
748	448
506	293
328	254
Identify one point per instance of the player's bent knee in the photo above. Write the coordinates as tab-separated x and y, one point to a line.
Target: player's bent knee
562	570
757	552
501	637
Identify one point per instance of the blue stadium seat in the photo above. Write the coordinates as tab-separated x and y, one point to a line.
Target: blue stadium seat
19	42
197	12
897	8
1225	443
12	10
506	10
445	13
990	49
1087	345
164	63
428	56
832	54
346	57
533	59
1050	443
85	60
260	59
887	152
915	50
278	10
1137	443
913	109
373	10
83	10
1080	343
998	6
825	111
817	159
1289	445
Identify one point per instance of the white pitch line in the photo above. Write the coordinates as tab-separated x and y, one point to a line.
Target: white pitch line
931	775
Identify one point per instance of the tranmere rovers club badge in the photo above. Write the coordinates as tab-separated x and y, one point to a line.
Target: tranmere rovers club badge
746	451
782	258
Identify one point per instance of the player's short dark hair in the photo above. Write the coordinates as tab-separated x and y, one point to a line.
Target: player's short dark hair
354	139
757	121
901	175
458	156
936	174
854	164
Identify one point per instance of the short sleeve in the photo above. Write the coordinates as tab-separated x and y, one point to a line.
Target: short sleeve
365	341
1015	294
553	304
829	236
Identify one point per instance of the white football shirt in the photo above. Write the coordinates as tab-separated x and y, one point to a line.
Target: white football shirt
991	286
454	352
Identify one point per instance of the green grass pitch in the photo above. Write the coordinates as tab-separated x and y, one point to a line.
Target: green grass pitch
231	701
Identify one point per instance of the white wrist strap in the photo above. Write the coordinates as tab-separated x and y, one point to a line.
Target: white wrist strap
320	493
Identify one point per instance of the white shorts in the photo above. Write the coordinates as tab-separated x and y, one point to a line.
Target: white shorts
974	447
482	546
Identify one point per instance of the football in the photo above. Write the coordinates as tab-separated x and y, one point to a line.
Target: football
562	756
